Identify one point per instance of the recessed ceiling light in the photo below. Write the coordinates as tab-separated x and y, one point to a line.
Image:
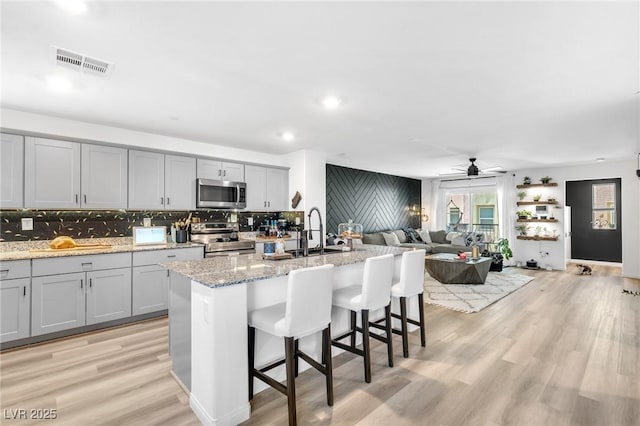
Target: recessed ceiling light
600	159
74	7
331	102
174	118
59	84
287	136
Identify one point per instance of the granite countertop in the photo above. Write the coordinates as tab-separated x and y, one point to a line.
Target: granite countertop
22	250
229	270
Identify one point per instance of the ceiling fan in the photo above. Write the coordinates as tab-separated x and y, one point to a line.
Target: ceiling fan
474	170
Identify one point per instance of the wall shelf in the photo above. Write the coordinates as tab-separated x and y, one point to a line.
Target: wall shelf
535	203
537	220
536	185
536	238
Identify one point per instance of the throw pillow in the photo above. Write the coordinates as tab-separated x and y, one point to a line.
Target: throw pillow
438	237
459	240
376	239
412	235
424	235
401	236
451	235
391	239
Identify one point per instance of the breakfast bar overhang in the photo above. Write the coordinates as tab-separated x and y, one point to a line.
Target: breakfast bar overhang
208	305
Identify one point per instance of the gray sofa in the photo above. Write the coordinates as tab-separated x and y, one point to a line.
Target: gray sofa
438	242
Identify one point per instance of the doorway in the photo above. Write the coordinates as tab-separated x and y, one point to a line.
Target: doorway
596	213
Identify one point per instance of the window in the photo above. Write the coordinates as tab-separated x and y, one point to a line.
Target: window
485	217
603	206
454	215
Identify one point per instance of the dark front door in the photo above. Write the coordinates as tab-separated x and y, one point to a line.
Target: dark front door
596	228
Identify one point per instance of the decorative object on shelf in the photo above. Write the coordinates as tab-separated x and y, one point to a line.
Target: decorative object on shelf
532	264
296	200
537	197
526	180
545	180
521	195
551	199
537	231
523	214
522	229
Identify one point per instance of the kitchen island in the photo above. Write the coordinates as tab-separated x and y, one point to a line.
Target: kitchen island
208	307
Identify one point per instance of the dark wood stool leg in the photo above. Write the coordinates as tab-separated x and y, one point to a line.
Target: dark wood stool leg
403	320
296	356
290	355
423	337
352	326
366	347
252	344
387	313
326	354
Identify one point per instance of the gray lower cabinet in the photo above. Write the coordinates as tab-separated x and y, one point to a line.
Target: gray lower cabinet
97	288
150	281
57	303
150	289
15	299
15	296
108	295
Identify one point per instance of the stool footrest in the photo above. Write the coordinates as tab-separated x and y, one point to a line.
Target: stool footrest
270	381
347	348
343	335
272	365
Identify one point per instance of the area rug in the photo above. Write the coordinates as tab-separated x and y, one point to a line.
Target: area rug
472	298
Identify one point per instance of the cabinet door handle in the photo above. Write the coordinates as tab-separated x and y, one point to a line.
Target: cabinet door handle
171	255
168	200
162	200
24	290
265	204
4	271
85	198
76	198
219	172
91	282
268	203
167	272
224	173
81	284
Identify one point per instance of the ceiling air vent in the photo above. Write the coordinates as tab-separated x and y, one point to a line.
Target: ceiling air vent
83	63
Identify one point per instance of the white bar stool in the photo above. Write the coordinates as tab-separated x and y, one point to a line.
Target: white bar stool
374	293
411	284
307	311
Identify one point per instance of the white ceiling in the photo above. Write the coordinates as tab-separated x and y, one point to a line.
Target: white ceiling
517	84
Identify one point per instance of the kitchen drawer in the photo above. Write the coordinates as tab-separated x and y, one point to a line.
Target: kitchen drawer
15	269
69	264
153	257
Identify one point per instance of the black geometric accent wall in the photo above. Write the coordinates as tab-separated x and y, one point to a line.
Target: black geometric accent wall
379	202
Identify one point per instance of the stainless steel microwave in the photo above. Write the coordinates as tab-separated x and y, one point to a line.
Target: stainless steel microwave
220	194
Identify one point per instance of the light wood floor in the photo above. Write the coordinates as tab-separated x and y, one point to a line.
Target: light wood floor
564	349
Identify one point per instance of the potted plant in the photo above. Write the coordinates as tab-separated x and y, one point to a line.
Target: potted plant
551	199
526	180
537	197
545	179
537	231
523	214
502	252
521	195
522	229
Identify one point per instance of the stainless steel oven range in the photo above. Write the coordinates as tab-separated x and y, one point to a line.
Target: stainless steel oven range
221	239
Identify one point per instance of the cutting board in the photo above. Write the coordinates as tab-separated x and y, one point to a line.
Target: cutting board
80	247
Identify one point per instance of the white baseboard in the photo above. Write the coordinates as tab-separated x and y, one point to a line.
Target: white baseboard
233	418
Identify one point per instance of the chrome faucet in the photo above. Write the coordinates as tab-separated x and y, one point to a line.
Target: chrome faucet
321	230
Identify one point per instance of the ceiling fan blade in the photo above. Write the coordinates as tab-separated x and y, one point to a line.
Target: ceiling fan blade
491	169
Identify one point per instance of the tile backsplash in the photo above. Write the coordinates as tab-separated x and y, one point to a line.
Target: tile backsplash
48	224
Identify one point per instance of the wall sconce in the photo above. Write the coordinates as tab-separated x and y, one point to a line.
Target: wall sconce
424	217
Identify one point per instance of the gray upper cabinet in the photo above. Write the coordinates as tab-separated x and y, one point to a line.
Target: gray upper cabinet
158	181
51	173
11	171
104	177
180	182
220	170
146	180
267	188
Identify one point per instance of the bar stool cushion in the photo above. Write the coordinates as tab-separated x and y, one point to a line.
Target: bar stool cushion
308	306
348	298
411	275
